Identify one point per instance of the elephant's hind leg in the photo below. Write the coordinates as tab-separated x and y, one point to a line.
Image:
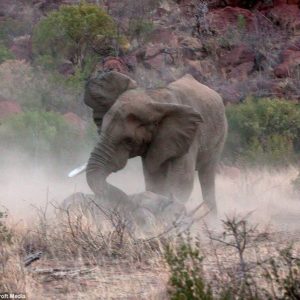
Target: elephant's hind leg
207	181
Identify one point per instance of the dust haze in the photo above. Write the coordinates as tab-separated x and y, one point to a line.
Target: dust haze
26	184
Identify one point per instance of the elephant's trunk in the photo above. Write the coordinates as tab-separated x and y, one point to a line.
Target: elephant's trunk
99	167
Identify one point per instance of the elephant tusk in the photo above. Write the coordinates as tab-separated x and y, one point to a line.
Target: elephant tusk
77	171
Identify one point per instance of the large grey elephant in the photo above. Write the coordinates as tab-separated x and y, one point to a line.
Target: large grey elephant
176	130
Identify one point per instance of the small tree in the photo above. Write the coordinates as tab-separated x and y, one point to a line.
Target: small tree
73	33
185	263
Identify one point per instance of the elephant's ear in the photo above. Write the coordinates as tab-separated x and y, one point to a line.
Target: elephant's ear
177	126
103	89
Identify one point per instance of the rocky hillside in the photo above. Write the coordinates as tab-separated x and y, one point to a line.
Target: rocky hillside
238	47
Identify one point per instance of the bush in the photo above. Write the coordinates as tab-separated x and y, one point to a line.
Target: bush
263	131
186	280
5	54
270	275
284	271
5	232
43	136
71	33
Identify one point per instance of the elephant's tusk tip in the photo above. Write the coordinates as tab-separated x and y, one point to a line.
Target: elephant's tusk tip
77	171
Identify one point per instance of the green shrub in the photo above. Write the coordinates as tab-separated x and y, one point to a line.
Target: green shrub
284	272
263	131
5	54
5	232
71	33
43	136
186	279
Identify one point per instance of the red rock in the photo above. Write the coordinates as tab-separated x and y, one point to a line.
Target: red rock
9	108
293	2
114	64
241	72
201	70
286	16
219	20
130	61
165	36
74	120
66	68
290	61
238	55
156	62
191	48
155	56
237	63
230	94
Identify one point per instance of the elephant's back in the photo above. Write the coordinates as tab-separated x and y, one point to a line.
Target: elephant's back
193	93
208	103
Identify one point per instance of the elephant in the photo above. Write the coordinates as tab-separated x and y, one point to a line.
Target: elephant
144	214
175	130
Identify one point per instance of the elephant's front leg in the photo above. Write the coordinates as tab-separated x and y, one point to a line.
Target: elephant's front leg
174	179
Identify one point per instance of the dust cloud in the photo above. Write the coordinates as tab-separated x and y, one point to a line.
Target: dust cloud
268	195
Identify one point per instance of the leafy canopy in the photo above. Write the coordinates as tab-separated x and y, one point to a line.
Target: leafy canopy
72	31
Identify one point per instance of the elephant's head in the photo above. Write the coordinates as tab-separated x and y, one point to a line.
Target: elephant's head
139	125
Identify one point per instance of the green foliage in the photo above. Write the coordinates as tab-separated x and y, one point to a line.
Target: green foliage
43	136
5	54
263	131
186	280
71	33
241	22
287	282
5	233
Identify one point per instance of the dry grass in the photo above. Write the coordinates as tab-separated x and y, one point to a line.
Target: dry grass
84	261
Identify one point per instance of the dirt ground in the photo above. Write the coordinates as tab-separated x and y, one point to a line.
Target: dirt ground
269	197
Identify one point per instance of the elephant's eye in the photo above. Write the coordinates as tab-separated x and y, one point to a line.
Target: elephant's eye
128	141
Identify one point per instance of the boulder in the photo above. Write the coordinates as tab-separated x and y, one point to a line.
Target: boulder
66	68
9	108
155	57
240	54
220	20
237	63
191	48
290	61
286	16
111	63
